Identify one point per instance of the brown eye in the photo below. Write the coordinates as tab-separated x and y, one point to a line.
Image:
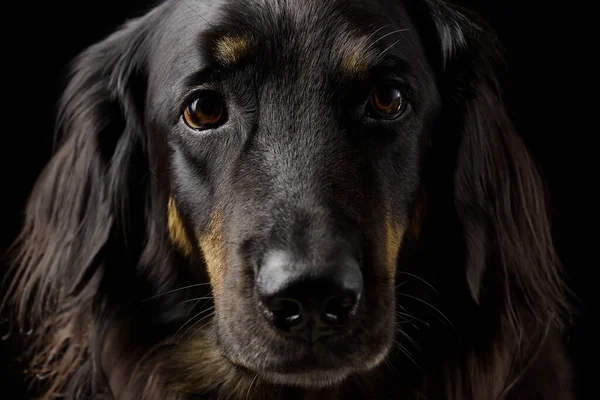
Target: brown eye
205	112
387	102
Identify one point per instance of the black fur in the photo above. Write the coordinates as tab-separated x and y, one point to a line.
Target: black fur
474	304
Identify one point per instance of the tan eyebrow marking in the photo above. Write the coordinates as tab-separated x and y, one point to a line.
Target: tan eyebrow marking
355	65
356	55
359	53
230	49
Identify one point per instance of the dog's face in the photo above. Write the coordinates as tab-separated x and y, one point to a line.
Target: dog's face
291	138
281	152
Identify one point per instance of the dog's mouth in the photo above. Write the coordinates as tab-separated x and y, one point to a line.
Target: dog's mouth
309	365
315	355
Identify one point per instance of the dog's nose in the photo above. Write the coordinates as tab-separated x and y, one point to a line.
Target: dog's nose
306	300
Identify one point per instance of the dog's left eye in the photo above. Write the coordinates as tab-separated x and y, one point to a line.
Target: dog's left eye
205	112
387	102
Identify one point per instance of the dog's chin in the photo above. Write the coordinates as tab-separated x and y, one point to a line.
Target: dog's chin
313	376
310	379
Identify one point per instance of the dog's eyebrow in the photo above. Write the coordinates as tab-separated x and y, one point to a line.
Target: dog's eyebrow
229	49
360	54
356	58
361	68
355	65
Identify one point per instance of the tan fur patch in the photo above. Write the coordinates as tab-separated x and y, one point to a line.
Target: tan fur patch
230	49
356	54
355	64
212	245
198	366
394	232
177	231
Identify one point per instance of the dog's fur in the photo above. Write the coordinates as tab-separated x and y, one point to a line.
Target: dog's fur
139	223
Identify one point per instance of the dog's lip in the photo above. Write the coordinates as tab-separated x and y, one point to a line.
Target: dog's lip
308	369
296	375
287	365
309	378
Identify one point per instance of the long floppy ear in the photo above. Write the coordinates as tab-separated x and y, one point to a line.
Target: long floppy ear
498	191
81	203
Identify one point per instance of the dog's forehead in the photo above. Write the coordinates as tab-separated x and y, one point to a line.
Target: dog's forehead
308	37
346	34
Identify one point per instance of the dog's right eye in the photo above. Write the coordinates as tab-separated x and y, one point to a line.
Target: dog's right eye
205	112
387	102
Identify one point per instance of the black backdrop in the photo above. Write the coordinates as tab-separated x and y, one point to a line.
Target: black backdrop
546	77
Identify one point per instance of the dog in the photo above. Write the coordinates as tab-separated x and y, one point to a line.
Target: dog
285	199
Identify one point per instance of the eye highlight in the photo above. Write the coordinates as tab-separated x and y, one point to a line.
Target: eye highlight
205	112
387	102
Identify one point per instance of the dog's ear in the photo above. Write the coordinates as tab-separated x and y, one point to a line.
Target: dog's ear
498	190
83	197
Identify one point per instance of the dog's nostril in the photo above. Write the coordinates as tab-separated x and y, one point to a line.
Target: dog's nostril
308	300
287	313
337	309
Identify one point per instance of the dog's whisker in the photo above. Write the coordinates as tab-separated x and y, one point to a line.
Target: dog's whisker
409	318
204	326
428	304
213	320
175	290
419	278
386	35
400	284
408	355
410	339
405	321
250	387
386	49
399	345
376	31
391	367
192	318
196	299
412	317
196	304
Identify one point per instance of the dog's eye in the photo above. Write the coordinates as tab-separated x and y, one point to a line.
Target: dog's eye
387	102
205	112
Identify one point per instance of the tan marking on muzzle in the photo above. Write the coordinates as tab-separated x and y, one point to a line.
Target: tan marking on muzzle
230	49
213	249
394	232
177	231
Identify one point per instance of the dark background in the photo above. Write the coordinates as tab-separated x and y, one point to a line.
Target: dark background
547	75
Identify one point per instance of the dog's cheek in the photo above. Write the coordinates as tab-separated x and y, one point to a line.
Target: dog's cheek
212	245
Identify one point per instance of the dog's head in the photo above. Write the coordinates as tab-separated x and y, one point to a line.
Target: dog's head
293	137
283	152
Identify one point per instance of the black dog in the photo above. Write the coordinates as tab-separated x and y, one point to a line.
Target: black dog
279	199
